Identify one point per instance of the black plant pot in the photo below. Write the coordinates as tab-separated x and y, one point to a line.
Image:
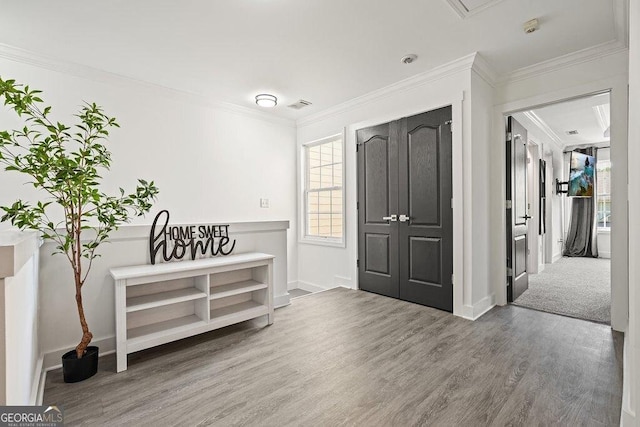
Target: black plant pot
75	370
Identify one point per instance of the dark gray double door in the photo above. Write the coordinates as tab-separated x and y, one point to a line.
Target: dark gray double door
405	223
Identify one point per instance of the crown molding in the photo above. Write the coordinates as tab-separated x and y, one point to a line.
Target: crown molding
38	60
578	57
482	67
461	64
544	128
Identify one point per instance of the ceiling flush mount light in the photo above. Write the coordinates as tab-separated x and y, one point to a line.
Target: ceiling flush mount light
408	59
266	100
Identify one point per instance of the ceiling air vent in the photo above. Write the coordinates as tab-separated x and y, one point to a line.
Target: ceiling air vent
572	132
300	104
466	8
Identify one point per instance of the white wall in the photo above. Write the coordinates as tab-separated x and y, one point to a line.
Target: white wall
319	265
465	90
20	362
631	395
59	325
212	164
552	83
22	335
479	213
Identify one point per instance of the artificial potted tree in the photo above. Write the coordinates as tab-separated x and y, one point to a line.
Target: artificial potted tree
65	164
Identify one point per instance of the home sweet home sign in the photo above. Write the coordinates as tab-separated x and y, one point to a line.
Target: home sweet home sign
167	242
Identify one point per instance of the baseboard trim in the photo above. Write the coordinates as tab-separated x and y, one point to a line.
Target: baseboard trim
474	312
627	414
343	282
310	287
556	258
40	394
627	418
37	387
53	359
281	300
292	285
606	255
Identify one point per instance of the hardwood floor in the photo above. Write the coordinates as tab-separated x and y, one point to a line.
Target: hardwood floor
344	357
295	293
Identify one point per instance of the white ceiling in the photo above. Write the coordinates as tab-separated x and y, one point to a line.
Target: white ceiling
590	116
324	51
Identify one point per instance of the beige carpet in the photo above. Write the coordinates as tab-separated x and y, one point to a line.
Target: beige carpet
576	287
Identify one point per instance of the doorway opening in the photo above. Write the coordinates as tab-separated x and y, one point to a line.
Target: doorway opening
559	222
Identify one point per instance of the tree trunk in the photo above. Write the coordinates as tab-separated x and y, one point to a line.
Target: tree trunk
86	335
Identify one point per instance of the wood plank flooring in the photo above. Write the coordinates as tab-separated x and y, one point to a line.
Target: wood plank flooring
344	357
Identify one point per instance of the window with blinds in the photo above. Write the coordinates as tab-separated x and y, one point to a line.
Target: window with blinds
603	184
324	201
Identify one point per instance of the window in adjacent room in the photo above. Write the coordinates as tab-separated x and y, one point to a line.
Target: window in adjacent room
323	191
603	183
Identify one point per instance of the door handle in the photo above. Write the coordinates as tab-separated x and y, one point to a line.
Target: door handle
392	218
404	218
524	217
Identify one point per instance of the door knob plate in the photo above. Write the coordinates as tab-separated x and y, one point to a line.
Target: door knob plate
392	218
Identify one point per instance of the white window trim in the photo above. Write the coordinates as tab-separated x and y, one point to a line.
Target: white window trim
302	197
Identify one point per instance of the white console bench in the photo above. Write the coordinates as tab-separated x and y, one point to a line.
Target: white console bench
157	304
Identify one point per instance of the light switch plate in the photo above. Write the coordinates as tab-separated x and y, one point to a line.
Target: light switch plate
264	203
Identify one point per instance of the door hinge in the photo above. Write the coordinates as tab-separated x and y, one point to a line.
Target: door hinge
509	272
509	136
508	204
357	205
358	263
450	123
357	147
452	203
452	279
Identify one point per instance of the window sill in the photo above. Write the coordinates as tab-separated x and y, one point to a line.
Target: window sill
603	231
322	242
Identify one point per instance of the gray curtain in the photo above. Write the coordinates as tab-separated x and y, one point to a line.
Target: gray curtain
582	236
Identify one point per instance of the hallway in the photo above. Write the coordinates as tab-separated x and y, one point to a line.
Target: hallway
575	287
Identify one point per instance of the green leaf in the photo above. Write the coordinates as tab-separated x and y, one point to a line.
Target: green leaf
67	165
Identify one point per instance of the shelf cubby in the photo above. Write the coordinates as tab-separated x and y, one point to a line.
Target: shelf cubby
156	304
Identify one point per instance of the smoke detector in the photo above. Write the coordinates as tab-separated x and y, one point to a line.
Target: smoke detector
531	26
408	59
572	132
